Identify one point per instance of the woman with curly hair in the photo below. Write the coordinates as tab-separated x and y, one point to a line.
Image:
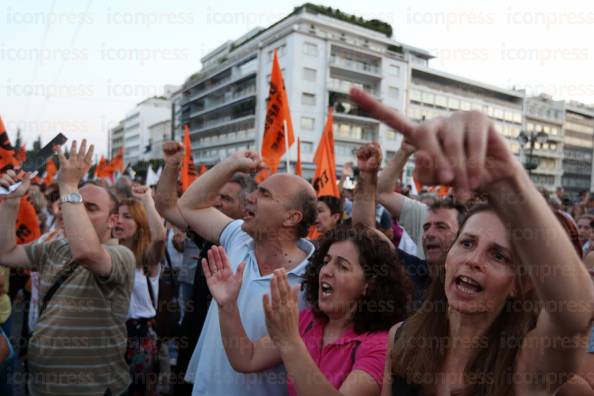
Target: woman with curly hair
337	345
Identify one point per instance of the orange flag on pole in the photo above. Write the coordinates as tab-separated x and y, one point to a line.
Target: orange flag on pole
101	168
188	169
298	170
278	128
8	158
324	180
117	163
50	172
27	223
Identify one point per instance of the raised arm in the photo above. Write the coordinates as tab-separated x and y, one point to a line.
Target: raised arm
196	203
158	234
11	254
166	192
388	178
85	245
244	355
465	151
369	157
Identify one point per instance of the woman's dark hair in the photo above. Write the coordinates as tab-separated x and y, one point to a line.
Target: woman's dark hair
389	289
421	347
333	203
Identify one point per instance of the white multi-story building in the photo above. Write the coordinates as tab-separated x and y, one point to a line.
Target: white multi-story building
133	131
322	56
544	118
432	93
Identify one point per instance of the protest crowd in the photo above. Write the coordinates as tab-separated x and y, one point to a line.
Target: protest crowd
243	279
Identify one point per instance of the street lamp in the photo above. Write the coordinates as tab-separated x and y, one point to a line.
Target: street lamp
523	138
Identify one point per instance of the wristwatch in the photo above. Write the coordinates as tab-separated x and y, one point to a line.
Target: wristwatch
73	197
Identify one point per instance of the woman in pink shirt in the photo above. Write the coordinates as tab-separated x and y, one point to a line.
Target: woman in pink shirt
355	290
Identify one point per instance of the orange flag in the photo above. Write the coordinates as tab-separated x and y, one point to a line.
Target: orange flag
202	170
298	170
324	180
8	158
27	224
277	117
262	175
117	163
101	170
188	169
50	172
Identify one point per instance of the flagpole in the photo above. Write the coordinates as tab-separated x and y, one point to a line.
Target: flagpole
286	144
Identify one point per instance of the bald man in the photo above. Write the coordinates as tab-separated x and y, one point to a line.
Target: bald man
270	236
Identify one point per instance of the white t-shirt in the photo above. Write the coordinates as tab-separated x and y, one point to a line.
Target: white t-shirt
140	301
209	369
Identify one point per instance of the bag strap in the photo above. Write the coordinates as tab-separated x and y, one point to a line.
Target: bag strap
60	279
151	292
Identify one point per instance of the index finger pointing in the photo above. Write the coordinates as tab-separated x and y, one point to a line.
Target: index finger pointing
382	112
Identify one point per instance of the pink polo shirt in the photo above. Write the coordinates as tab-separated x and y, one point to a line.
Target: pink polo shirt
351	351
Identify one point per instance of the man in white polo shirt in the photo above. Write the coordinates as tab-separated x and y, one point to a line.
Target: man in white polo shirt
271	236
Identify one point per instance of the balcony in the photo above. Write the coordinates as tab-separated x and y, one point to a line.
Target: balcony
344	86
224	100
219	122
355	66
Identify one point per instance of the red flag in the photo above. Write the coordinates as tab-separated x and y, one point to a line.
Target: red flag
324	180
117	163
202	170
27	224
277	117
298	170
188	169
50	172
8	158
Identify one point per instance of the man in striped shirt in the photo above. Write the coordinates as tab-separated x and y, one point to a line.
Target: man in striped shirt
79	342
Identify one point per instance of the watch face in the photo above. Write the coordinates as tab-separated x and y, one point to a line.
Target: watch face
73	197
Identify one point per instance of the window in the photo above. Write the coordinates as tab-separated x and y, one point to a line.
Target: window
393	92
441	100
428	97
309	74
415	95
307	123
280	51
306	147
391	135
308	99
464	105
394	70
454	103
310	49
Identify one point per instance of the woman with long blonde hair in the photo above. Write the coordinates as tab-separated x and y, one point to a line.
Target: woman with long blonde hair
140	228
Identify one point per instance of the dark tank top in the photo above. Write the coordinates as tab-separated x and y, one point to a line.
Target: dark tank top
399	385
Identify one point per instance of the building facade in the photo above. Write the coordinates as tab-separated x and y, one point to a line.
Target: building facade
578	148
322	54
321	58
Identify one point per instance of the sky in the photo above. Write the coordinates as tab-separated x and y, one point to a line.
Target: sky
78	67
